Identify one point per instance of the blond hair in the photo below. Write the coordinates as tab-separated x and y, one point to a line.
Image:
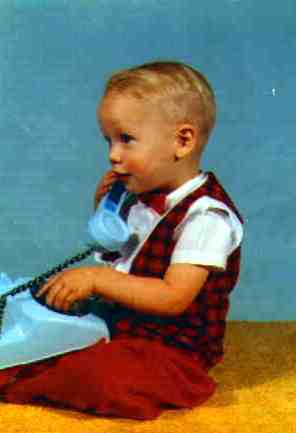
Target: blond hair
184	92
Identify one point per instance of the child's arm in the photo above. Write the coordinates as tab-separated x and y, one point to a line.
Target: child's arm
168	296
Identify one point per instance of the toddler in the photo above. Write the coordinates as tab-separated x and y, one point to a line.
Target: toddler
169	293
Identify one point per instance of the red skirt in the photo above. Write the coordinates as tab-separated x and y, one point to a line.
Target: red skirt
127	377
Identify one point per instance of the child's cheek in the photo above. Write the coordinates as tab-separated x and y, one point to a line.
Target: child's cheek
137	168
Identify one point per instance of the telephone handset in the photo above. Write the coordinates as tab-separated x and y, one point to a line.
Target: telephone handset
107	226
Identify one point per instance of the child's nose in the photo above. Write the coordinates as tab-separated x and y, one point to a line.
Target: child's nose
114	154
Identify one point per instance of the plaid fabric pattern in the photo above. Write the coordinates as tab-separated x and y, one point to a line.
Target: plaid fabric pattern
201	327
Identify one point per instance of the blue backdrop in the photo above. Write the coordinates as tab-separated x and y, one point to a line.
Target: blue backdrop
54	59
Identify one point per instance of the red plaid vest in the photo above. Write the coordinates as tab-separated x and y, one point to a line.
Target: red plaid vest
201	327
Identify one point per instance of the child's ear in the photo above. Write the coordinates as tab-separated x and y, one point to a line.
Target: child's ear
186	140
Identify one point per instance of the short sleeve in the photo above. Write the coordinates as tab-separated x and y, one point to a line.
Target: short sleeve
207	236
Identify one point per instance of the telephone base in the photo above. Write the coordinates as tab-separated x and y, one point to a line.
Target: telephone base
32	332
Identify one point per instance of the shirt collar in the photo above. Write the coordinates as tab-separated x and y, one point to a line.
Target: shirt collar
185	189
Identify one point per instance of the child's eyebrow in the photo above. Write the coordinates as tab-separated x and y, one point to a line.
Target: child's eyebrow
113	124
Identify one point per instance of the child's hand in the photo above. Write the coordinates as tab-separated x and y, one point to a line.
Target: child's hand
104	186
67	287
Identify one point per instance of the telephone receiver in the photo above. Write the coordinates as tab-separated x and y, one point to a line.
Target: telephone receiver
107	226
109	232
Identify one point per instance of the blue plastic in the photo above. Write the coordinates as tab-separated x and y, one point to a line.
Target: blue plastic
106	226
32	332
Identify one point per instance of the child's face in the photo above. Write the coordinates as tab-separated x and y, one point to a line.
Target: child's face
141	142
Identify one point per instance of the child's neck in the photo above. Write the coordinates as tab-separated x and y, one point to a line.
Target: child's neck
183	177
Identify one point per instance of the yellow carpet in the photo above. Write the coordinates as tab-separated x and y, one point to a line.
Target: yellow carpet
257	393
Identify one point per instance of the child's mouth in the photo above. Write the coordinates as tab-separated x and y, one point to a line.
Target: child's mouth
123	177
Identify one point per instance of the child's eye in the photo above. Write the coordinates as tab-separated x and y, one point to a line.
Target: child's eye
108	139
125	138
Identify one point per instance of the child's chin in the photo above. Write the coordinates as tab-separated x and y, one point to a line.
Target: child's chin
132	185
128	183
132	188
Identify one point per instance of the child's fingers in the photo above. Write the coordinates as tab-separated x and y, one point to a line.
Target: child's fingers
100	192
109	178
45	287
56	296
104	186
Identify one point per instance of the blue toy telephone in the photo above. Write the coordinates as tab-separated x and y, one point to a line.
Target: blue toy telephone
30	331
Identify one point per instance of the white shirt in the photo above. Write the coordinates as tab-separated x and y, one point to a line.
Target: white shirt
207	235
